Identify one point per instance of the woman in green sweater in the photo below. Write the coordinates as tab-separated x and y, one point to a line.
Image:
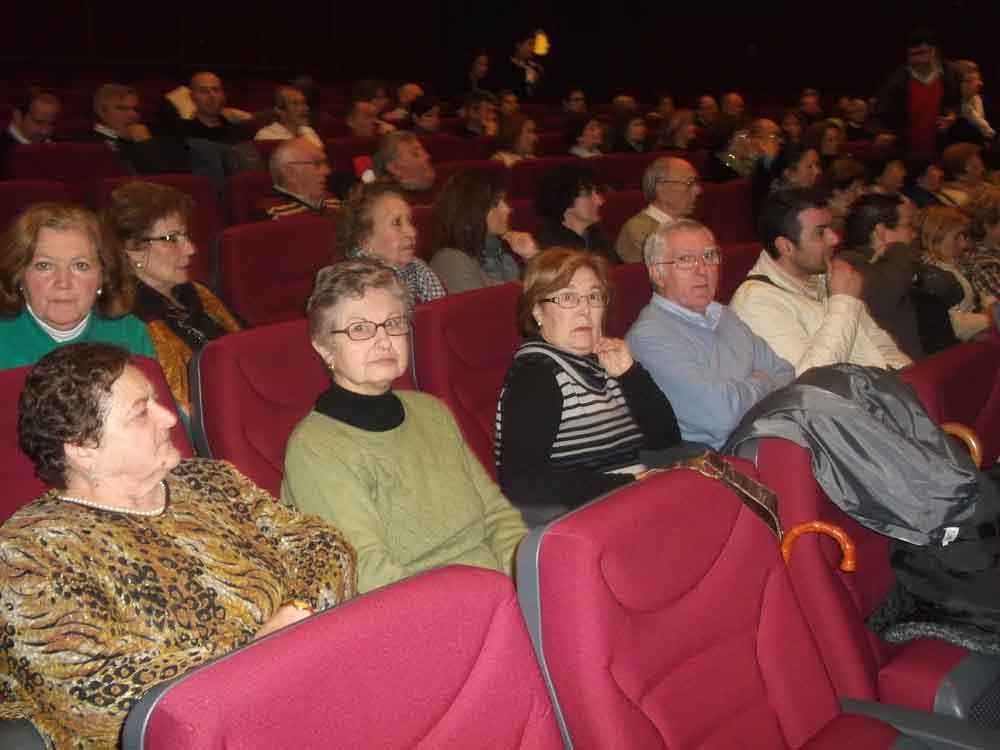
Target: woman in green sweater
390	469
61	283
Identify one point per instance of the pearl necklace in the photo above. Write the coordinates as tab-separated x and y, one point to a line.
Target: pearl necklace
113	509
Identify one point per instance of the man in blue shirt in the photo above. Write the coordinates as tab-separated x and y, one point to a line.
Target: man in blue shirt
710	365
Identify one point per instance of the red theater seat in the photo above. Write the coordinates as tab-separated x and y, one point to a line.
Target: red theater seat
923	674
267	269
463	345
423	222
342	151
245	191
440	660
663	616
17	195
249	389
632	293
962	384
737	260
724	207
206	222
79	165
619	207
17	472
445	147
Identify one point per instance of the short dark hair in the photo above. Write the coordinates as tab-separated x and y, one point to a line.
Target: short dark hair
780	216
65	400
460	210
920	36
560	187
866	213
575	127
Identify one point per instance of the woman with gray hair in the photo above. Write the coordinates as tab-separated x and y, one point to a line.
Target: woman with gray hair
391	469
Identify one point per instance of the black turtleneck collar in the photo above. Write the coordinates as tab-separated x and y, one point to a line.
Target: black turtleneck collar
372	413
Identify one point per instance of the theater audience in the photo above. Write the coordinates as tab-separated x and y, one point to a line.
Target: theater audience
362	119
479	115
981	262
137	566
825	138
630	134
803	301
856	126
516	141
574	101
292	113
664	107
576	411
33	119
406	94
300	174
889	173
477	72
585	136
671	186
61	281
472	239
425	115
732	106
359	459
149	224
964	171
795	167
706	114
680	131
919	100
733	156
901	293
377	223
792	126
944	240
402	158
846	180
568	201
706	361
211	119
507	103
809	108
521	72
971	124
119	126
924	180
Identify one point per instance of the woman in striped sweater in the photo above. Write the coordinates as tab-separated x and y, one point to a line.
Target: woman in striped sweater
575	410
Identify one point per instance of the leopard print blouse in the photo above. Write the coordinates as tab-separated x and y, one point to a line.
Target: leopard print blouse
96	607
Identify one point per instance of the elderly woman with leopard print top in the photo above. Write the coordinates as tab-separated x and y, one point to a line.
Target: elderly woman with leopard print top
137	566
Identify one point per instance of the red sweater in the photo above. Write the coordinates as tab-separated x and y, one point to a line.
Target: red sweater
925	105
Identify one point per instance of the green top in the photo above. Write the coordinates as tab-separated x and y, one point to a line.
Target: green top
24	342
411	498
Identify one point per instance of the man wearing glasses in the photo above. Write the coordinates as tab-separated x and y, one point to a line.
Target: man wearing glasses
299	169
705	359
672	187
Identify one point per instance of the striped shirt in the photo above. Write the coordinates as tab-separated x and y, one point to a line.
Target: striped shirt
596	429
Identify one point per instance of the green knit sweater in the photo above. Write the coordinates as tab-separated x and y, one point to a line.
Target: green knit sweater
23	342
411	498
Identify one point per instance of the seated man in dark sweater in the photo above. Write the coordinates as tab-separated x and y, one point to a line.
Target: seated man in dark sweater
119	125
569	201
211	120
300	171
32	120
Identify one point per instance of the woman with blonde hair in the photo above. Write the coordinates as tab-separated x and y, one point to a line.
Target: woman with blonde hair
944	239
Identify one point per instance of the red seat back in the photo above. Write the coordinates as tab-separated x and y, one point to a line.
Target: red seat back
79	165
665	618
423	222
632	293
342	151
17	472
267	269
463	346
445	147
206	222
17	195
724	207
619	207
246	189
438	660
737	260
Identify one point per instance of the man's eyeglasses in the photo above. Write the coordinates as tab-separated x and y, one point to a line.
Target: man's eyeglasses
174	238
362	330
690	182
571	300
710	257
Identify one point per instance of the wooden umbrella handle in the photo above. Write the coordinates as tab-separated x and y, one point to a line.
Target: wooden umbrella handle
849	558
969	437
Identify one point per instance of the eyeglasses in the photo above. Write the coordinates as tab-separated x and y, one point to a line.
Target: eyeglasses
711	257
311	162
571	300
174	238
362	330
690	182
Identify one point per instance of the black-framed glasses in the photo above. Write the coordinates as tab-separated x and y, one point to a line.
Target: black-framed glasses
690	182
174	238
362	330
711	257
571	300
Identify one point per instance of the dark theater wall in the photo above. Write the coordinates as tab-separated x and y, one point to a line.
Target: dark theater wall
844	46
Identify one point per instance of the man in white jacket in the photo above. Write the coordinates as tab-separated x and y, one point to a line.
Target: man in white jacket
802	300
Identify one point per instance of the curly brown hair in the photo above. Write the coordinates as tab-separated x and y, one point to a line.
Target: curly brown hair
357	219
550	271
17	248
65	400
